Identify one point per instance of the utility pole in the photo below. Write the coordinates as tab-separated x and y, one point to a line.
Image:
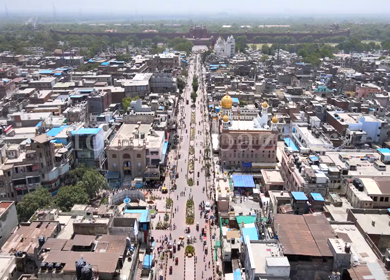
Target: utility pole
54	11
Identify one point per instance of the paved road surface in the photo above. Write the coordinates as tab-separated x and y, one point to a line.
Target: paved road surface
195	191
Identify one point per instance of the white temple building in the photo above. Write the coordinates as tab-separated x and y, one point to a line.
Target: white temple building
224	48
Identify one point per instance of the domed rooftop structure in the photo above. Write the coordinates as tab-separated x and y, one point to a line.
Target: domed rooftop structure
225	118
227	102
275	119
265	104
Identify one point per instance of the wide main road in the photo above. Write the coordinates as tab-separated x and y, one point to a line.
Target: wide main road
190	269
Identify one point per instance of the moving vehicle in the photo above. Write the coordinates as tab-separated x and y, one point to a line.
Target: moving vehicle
207	207
164	190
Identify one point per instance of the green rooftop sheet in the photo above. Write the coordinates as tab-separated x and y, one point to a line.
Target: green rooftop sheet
245	219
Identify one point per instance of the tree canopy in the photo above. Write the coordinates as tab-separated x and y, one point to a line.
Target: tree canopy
70	195
87	178
33	201
126	102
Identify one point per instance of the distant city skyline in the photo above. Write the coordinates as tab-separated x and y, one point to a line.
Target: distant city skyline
177	7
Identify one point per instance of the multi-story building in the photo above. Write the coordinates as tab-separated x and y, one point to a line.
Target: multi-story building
244	143
98	102
138	86
163	82
53	163
226	48
135	149
89	146
160	62
9	220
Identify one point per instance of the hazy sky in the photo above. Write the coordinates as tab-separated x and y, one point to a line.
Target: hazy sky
290	7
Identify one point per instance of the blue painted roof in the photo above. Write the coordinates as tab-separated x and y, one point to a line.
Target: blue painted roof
39	124
290	144
45	71
384	150
54	131
105	63
57	74
144	214
237	274
299	195
317	196
85	131
161	108
251	232
91	60
243	181
76	96
235	100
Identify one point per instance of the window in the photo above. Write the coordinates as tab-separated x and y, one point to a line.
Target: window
375	198
114	156
381	199
386	199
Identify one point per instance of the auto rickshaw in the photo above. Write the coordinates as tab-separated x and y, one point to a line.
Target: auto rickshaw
189	240
170	254
164	190
197	226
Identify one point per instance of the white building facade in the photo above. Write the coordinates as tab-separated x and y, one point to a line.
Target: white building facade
224	48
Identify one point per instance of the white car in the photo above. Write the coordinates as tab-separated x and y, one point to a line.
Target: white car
207	207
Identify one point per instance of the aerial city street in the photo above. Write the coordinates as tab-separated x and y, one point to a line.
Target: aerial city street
168	141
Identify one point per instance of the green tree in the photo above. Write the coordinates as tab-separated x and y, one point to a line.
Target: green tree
263	58
70	195
195	84
90	179
241	43
194	96
180	85
254	47
126	102
265	49
92	182
33	201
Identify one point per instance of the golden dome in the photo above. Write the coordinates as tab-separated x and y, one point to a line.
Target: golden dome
274	119
265	104
225	118
227	102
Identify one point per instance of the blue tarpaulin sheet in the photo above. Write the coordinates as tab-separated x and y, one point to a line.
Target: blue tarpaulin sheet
105	63
86	131
147	262
237	274
45	71
290	144
54	131
165	148
243	181
313	158
39	124
299	195
235	100
251	232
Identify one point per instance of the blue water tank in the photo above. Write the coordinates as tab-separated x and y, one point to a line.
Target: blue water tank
86	272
